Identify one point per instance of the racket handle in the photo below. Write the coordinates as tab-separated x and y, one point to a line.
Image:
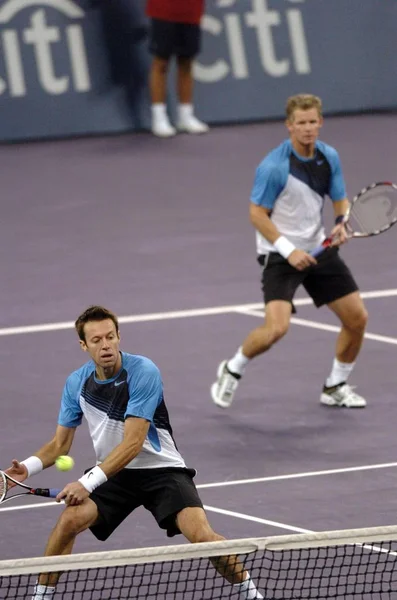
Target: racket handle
47	492
320	249
317	251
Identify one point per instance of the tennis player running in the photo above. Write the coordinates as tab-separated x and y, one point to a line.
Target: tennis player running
286	208
121	397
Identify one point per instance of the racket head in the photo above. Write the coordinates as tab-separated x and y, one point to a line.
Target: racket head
373	210
3	486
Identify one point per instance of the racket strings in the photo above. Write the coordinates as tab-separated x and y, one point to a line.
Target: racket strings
374	210
3	486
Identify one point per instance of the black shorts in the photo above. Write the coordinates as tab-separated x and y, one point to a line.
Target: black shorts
164	492
328	280
168	38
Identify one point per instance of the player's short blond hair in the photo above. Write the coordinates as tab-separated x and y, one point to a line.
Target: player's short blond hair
302	102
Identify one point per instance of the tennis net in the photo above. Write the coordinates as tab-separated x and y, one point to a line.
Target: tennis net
347	564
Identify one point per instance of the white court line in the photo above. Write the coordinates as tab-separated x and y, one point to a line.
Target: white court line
242	482
178	314
238	515
316	325
231	513
298	475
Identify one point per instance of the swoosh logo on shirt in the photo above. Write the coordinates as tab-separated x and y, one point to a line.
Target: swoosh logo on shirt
117	383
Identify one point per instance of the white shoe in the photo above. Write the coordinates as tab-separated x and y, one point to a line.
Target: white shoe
190	124
342	395
224	388
163	128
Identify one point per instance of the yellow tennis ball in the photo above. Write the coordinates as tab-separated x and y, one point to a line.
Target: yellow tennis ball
64	463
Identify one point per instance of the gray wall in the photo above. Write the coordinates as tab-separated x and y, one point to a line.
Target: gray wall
72	67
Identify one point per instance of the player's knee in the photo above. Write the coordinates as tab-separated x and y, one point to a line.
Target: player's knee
205	534
358	321
74	520
277	331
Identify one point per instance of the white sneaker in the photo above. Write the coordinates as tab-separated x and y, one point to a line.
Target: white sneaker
163	128
191	124
224	388
342	395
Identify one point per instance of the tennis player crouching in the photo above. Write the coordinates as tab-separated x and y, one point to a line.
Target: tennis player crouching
121	396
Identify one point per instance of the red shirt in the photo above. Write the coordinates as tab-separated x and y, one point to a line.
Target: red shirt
180	11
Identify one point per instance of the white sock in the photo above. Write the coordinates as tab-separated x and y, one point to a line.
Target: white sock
185	111
159	111
43	592
340	372
238	363
247	590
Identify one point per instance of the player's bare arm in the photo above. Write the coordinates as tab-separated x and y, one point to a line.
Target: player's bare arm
135	432
260	219
338	232
58	446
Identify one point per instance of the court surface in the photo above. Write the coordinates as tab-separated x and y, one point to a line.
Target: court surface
158	232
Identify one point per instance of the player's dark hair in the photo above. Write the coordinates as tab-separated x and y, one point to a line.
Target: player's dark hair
94	313
302	102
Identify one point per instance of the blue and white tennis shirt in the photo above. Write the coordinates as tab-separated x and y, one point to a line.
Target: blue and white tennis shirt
136	391
294	188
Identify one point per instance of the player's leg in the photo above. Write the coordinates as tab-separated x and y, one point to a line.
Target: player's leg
161	47
188	41
332	283
194	525
279	284
72	521
174	501
353	317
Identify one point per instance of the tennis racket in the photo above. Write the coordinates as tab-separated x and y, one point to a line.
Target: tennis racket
371	212
6	489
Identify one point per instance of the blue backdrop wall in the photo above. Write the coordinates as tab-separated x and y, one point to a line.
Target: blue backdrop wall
72	67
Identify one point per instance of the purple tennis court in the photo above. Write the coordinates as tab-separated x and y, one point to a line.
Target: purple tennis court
158	232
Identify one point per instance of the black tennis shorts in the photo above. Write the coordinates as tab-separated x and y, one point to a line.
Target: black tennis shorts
328	280
180	39
164	492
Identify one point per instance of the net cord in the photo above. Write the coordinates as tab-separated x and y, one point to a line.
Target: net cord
135	556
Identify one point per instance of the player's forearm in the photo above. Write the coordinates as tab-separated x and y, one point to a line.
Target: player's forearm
262	223
341	207
50	452
120	456
46	456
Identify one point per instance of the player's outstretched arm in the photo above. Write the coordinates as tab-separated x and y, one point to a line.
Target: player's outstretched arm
45	457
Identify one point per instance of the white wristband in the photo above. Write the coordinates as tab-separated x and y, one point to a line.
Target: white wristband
93	479
33	465
284	246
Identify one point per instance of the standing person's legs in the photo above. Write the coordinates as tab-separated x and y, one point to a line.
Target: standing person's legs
187	47
162	34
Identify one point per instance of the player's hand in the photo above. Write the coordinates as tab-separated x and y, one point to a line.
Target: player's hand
73	494
18	471
339	235
301	260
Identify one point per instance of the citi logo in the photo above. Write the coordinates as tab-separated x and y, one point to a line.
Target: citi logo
41	42
270	27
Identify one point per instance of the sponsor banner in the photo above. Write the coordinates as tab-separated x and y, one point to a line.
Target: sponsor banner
70	67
